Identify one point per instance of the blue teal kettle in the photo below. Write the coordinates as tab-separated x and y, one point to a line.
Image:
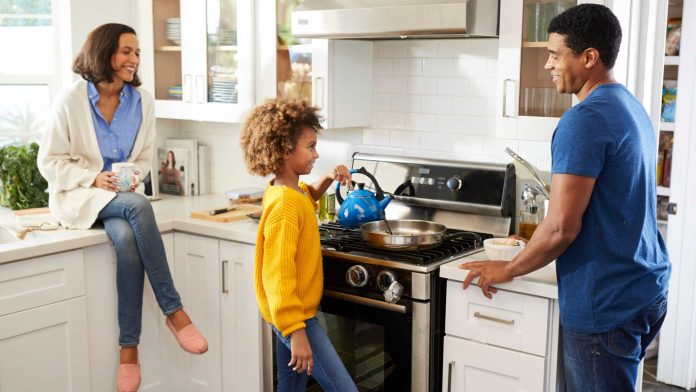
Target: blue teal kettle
361	206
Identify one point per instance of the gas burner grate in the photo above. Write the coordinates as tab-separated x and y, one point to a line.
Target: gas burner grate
350	241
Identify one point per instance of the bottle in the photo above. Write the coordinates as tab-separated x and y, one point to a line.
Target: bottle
529	220
327	207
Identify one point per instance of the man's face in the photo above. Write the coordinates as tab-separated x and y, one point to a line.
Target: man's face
568	70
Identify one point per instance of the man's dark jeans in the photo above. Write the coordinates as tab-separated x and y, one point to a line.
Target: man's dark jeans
609	361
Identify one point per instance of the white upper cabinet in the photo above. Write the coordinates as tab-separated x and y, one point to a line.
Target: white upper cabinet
198	58
335	75
528	105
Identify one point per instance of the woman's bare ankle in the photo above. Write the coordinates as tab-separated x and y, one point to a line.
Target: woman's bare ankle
129	355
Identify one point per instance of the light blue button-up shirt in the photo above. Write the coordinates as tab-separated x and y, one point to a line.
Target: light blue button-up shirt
116	139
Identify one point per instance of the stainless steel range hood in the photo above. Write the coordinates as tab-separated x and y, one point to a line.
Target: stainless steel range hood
395	19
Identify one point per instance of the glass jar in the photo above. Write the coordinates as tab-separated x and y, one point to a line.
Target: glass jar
327	207
528	223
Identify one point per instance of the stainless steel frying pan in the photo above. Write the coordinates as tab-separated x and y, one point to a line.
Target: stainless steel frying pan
408	234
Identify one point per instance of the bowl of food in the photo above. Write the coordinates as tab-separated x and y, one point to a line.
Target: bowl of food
502	248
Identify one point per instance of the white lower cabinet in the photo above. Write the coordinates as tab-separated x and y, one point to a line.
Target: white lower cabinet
43	325
472	366
508	343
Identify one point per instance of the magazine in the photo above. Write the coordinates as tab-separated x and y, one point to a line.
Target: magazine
173	170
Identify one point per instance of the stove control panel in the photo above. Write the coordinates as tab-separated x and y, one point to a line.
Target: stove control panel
357	276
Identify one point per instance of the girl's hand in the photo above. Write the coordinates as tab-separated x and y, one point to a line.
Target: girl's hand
106	180
301	352
340	174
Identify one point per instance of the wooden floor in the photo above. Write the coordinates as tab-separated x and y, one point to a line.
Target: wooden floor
650	384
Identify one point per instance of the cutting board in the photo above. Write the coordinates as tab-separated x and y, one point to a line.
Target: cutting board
241	211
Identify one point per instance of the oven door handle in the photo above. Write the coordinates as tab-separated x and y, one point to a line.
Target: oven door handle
373	303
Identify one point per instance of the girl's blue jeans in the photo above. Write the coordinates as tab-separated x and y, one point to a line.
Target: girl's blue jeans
130	224
609	361
328	370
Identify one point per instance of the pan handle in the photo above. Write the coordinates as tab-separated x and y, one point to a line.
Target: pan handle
478	241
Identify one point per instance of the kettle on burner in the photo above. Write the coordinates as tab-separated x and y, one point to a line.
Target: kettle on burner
361	206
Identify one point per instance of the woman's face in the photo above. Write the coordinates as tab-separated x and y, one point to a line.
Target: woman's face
126	59
170	157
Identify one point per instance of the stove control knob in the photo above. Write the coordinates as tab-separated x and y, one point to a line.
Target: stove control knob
357	276
393	293
454	183
384	279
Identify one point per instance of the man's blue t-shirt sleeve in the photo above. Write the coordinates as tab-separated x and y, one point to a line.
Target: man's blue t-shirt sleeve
580	144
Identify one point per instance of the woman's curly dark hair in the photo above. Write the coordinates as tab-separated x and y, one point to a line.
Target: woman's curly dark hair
590	26
271	131
93	62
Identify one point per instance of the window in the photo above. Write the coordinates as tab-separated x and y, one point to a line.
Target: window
27	68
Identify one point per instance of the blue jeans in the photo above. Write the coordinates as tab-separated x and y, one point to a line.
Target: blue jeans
130	224
328	370
609	361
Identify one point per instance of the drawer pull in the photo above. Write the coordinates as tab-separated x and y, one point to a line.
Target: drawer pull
494	319
449	376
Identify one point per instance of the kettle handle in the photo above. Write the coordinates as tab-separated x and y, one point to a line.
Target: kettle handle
378	194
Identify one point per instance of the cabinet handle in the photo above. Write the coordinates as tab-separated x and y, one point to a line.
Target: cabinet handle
494	319
225	290
200	89
449	376
188	89
505	99
318	88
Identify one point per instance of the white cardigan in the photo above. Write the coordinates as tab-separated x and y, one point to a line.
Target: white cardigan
70	159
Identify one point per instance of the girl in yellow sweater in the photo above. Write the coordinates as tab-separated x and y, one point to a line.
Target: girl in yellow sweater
280	138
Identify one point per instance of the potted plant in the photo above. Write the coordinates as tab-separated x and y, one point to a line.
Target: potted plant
21	184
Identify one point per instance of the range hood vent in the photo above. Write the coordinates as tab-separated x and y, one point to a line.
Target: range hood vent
395	19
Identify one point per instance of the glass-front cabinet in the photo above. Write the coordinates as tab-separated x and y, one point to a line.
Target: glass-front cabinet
528	104
202	63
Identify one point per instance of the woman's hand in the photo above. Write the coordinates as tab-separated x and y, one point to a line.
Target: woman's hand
340	174
301	352
106	180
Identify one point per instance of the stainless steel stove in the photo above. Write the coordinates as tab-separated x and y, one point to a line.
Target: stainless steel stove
383	309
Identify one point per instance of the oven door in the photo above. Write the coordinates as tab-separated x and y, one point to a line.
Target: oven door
372	337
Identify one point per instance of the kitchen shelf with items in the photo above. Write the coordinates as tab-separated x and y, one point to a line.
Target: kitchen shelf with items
528	105
202	63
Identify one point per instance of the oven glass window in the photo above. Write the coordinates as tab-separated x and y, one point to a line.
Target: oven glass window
374	344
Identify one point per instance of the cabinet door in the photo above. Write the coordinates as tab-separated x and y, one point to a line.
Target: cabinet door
45	348
471	366
197	275
241	321
202	58
528	104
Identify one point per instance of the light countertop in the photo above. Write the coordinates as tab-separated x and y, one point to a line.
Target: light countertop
541	282
172	213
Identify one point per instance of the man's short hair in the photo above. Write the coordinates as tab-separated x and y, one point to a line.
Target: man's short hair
590	26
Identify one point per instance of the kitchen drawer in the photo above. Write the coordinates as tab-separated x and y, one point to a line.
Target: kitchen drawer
511	320
470	366
44	280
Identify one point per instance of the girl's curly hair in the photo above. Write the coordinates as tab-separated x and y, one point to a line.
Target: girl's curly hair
271	131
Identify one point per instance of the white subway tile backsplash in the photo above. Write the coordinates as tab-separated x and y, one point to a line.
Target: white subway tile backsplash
453	86
422	48
451	123
382	103
421	122
453	47
433	104
535	150
391	120
439	142
486	158
438	67
422	85
473	106
471	66
484	47
408	67
406	103
404	139
483	87
391	49
382	67
467	144
492	68
479	125
376	136
496	147
390	85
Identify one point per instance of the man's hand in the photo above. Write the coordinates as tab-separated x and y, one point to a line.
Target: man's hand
489	272
301	352
106	180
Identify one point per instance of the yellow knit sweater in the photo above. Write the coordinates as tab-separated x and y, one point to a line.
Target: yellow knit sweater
288	271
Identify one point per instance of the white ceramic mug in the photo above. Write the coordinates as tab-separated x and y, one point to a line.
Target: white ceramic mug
126	175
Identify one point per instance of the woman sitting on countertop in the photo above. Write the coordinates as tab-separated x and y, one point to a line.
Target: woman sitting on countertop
98	121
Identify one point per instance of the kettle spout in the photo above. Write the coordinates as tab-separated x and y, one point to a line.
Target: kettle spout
383	203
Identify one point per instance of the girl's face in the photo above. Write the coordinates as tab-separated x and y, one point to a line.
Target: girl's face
126	59
301	159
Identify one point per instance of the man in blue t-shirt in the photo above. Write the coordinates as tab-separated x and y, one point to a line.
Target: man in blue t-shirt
612	266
